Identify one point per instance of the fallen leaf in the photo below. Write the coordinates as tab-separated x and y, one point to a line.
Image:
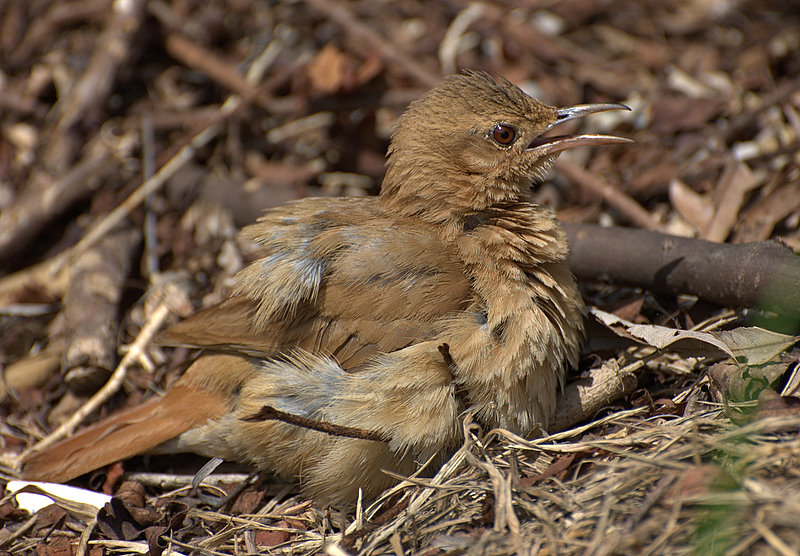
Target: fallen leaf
271	538
744	383
750	345
116	522
327	70
679	113
758	221
736	181
771	404
57	545
701	480
560	465
696	209
630	309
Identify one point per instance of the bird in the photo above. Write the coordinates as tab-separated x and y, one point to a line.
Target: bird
383	318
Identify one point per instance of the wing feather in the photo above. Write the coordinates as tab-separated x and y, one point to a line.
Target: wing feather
333	277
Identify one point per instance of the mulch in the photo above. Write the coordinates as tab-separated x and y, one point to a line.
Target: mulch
137	137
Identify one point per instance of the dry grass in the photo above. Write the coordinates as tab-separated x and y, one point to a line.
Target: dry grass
203	114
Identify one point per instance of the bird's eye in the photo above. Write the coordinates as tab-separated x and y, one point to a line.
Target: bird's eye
504	134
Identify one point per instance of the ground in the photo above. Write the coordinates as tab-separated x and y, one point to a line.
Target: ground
137	137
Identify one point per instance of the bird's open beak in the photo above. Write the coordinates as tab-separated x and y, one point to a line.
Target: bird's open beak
557	143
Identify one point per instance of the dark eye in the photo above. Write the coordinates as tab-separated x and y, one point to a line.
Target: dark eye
504	134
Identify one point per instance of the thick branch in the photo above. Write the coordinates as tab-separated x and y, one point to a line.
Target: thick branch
765	275
97	278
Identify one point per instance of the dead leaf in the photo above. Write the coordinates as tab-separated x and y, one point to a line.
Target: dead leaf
327	70
696	209
771	404
679	113
49	518
759	220
271	538
560	465
155	544
734	184
749	345
369	69
248	501
744	383
630	309
57	545
700	480
116	522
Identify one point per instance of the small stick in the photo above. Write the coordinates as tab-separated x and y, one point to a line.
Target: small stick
136	352
231	105
269	413
184	155
94	86
37	206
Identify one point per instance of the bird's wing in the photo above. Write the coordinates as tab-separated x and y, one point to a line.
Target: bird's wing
335	276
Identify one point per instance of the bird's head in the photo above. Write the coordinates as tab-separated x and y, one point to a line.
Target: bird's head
473	142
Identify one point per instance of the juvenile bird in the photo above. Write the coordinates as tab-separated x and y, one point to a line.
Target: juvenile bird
394	314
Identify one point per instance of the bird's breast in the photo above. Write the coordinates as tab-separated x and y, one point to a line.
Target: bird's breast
512	347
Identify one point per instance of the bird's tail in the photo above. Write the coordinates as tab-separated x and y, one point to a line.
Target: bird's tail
127	433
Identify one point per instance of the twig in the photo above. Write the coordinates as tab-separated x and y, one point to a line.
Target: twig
448	48
184	155
150	256
135	353
172	480
86	534
38	205
220	70
504	516
44	272
45	26
610	194
774	541
96	83
420	497
268	413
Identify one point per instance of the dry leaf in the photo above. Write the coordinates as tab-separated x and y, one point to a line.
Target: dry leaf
736	181
744	382
678	113
327	70
696	209
760	219
750	345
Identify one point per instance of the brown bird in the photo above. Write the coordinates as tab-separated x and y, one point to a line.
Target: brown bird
392	314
